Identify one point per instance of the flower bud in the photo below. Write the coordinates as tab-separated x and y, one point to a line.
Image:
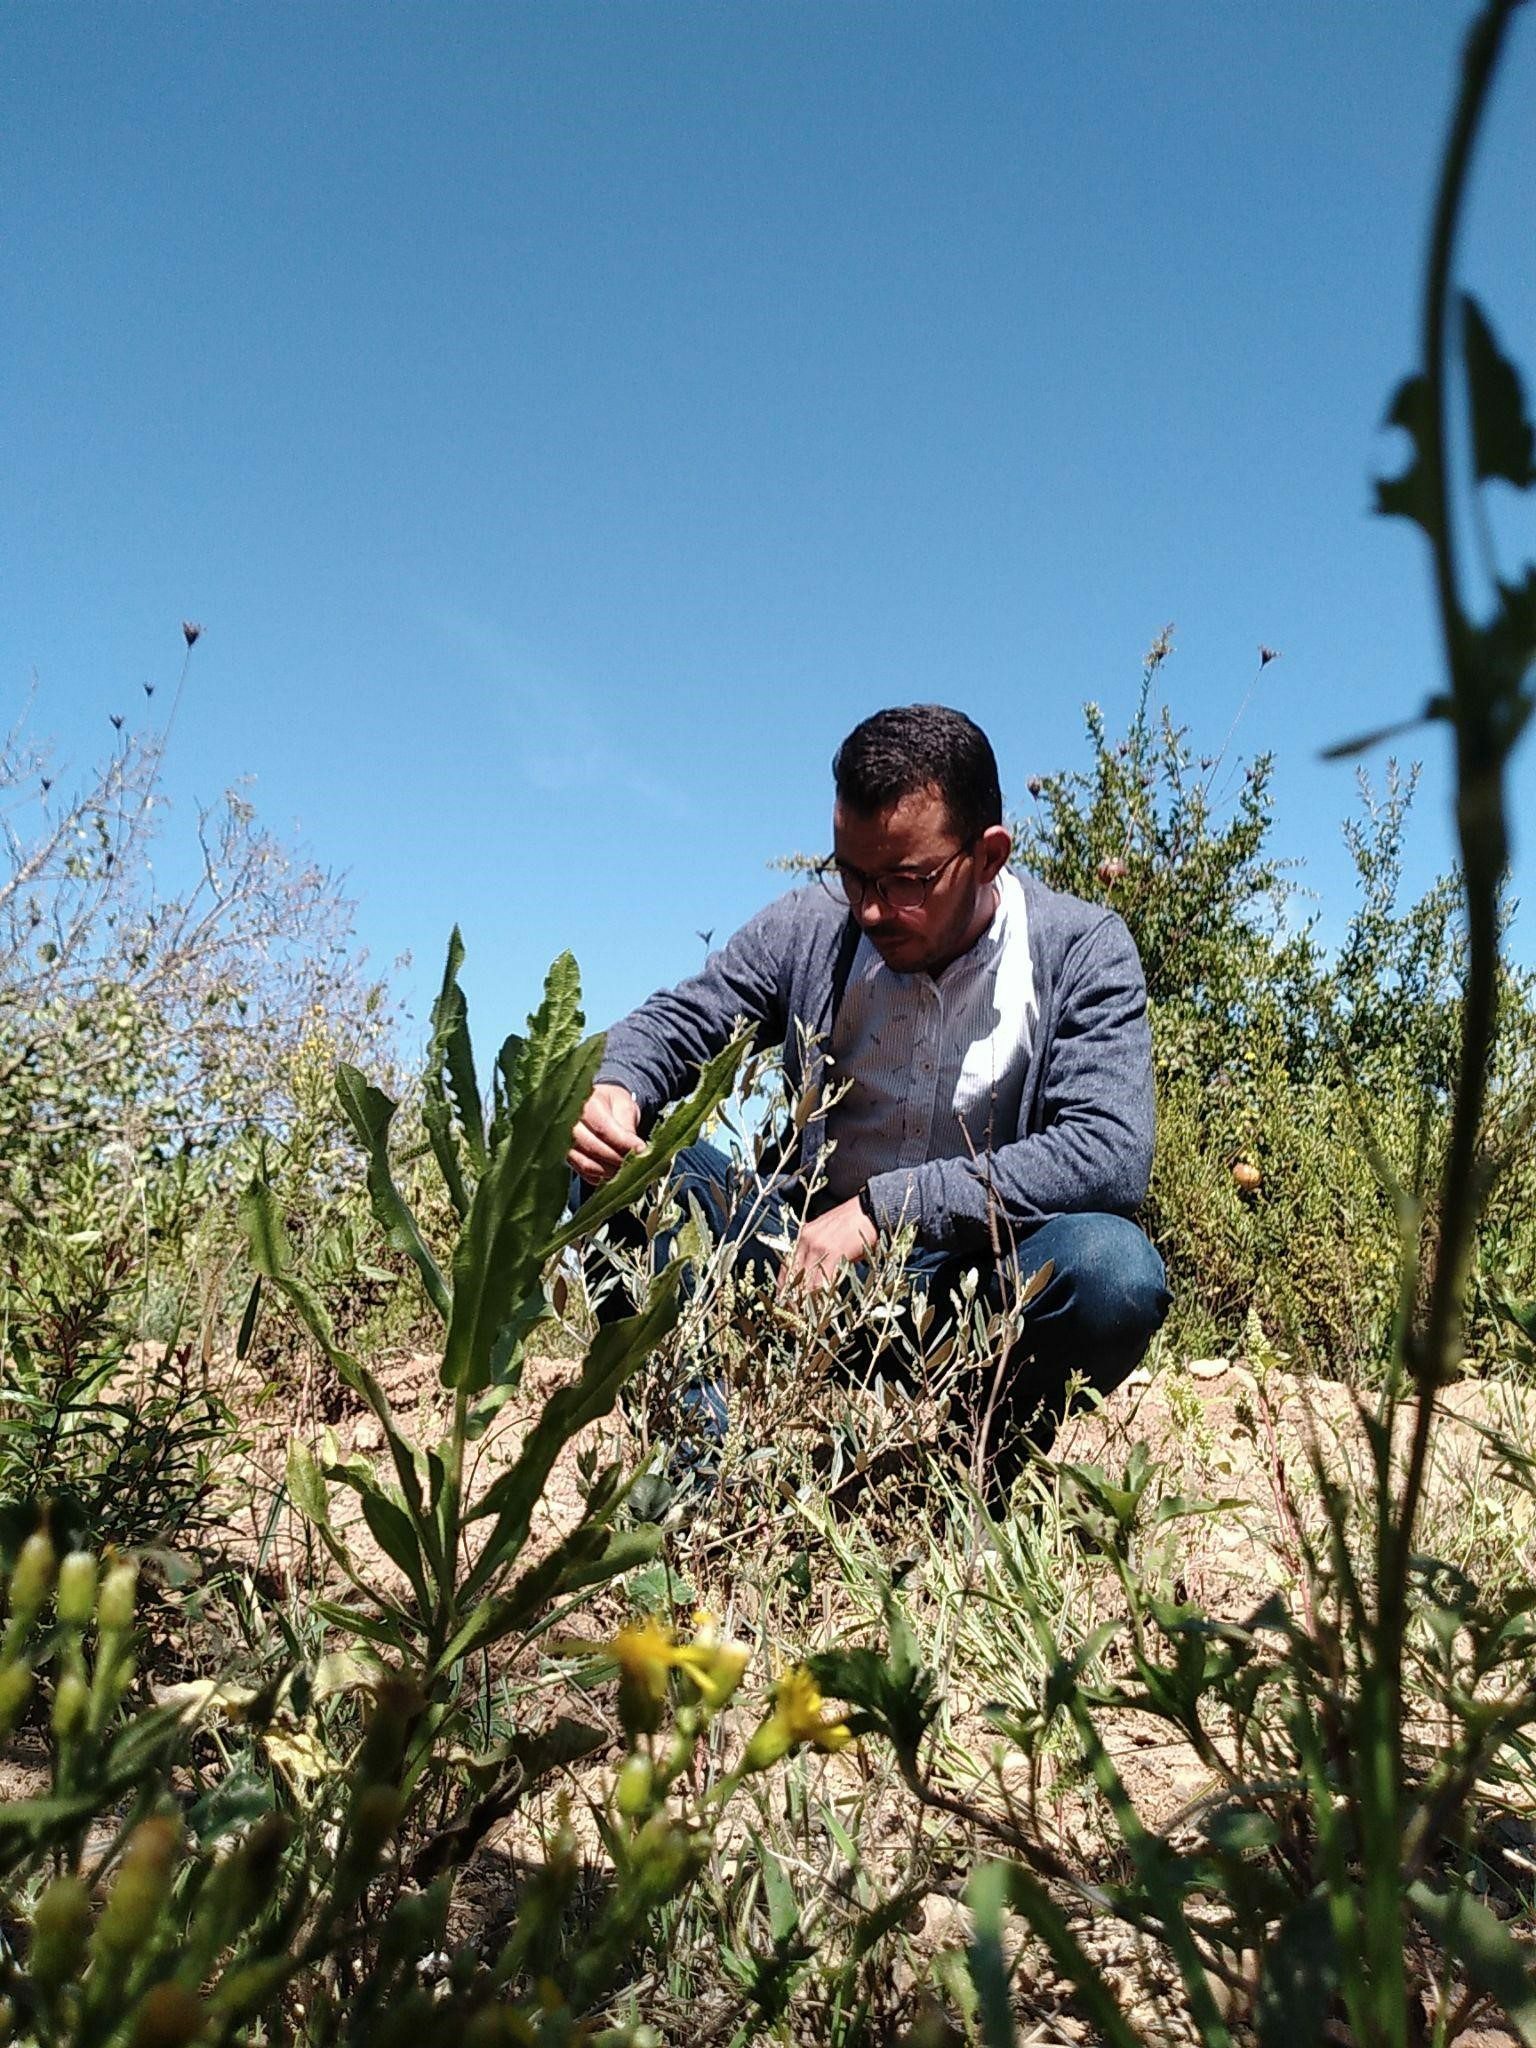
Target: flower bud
15	1691
114	1609
632	1792
142	1887
77	1589
61	1921
71	1705
32	1577
169	2017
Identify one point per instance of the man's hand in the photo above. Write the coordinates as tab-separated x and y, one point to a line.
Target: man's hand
607	1131
827	1244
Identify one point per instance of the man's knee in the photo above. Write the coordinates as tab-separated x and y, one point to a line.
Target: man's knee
1107	1282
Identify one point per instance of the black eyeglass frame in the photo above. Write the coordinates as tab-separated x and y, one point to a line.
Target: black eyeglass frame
847	884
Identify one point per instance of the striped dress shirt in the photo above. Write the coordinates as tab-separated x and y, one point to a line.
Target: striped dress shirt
932	1064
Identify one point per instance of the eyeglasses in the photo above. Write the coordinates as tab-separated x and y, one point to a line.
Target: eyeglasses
897	891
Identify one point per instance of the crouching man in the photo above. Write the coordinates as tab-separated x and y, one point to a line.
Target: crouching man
990	1039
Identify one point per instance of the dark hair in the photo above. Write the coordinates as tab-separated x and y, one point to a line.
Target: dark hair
921	746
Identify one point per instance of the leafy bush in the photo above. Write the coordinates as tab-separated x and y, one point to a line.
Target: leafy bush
1304	1101
151	1039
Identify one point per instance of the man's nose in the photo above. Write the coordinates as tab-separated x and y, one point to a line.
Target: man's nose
870	910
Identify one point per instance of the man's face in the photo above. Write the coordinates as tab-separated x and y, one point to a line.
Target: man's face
915	836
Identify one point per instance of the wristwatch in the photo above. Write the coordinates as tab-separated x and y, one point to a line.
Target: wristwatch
867	1205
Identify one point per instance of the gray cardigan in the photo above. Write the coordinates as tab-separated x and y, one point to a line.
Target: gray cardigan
1086	1115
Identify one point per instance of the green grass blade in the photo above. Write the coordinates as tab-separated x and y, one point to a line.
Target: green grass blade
999	1885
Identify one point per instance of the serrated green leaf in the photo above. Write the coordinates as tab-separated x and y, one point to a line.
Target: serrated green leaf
1493	1961
500	1253
589	1556
370	1112
357	1621
454	1055
1237	1830
1508	647
680	1127
266	1234
449	1013
783	1906
554	1031
1503	443
1410	495
503	1083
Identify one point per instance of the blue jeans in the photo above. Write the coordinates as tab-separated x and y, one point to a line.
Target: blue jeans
1092	1321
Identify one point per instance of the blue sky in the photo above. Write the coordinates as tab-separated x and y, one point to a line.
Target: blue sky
567	421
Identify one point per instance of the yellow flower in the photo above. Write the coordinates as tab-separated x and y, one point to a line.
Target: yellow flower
647	1652
714	1666
796	1719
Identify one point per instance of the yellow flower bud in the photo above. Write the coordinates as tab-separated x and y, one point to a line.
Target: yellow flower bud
71	1705
169	2017
114	1609
143	1884
77	1589
632	1792
376	1814
32	1577
796	1719
15	1691
61	1921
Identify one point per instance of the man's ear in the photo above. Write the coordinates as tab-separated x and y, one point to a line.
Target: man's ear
993	849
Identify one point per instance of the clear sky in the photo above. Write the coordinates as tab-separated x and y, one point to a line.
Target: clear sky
566	421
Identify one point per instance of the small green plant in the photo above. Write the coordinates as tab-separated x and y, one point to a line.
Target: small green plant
101	1440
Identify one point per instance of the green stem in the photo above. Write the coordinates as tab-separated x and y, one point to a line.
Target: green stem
446	1621
1481	827
1430	1352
